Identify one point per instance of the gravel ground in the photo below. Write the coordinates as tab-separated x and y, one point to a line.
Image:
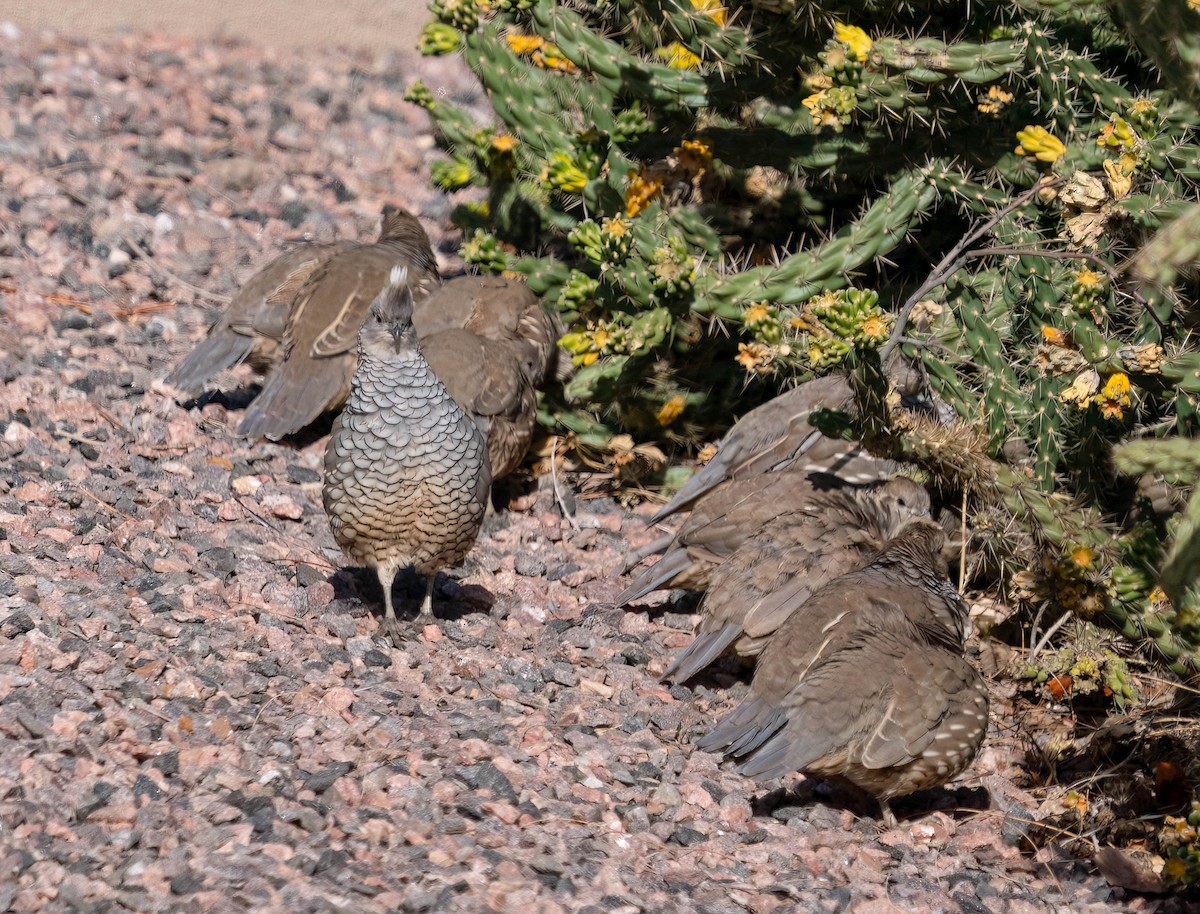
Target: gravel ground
195	714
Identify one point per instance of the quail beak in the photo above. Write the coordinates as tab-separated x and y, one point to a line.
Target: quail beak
397	331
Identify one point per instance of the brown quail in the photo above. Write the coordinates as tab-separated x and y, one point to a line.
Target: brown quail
406	470
777	436
752	593
326	304
251	327
721	522
867	681
497	308
492	380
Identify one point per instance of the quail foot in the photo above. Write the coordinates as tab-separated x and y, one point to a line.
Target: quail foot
406	470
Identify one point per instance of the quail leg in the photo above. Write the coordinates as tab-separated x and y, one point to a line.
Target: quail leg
889	817
426	616
390	627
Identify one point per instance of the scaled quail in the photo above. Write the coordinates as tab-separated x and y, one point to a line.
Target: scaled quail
867	681
719	524
252	325
326	304
752	593
406	470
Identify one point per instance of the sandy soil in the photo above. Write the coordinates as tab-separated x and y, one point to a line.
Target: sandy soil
378	25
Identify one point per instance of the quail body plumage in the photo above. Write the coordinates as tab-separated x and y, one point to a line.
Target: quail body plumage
867	681
492	380
719	524
406	470
492	343
776	436
496	308
326	304
752	593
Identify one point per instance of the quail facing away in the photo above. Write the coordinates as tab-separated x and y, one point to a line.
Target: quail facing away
492	380
252	325
867	681
492	344
752	593
326	303
719	523
777	436
496	308
406	470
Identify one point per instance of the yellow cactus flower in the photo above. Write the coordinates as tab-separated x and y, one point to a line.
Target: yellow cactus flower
858	41
678	57
524	45
753	356
504	142
642	191
1117	387
1114	396
813	102
714	9
616	227
876	327
1040	143
694	156
1054	336
671	410
1083	556
755	313
994	100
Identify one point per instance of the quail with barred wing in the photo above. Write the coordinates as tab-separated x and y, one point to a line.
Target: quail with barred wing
867	681
777	436
251	327
720	523
406	470
327	303
752	593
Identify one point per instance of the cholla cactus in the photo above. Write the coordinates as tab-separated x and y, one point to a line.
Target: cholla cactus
709	192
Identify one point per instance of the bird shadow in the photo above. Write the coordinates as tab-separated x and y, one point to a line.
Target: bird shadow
681	602
235	400
452	600
812	794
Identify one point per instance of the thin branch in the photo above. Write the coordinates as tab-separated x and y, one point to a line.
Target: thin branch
954	259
